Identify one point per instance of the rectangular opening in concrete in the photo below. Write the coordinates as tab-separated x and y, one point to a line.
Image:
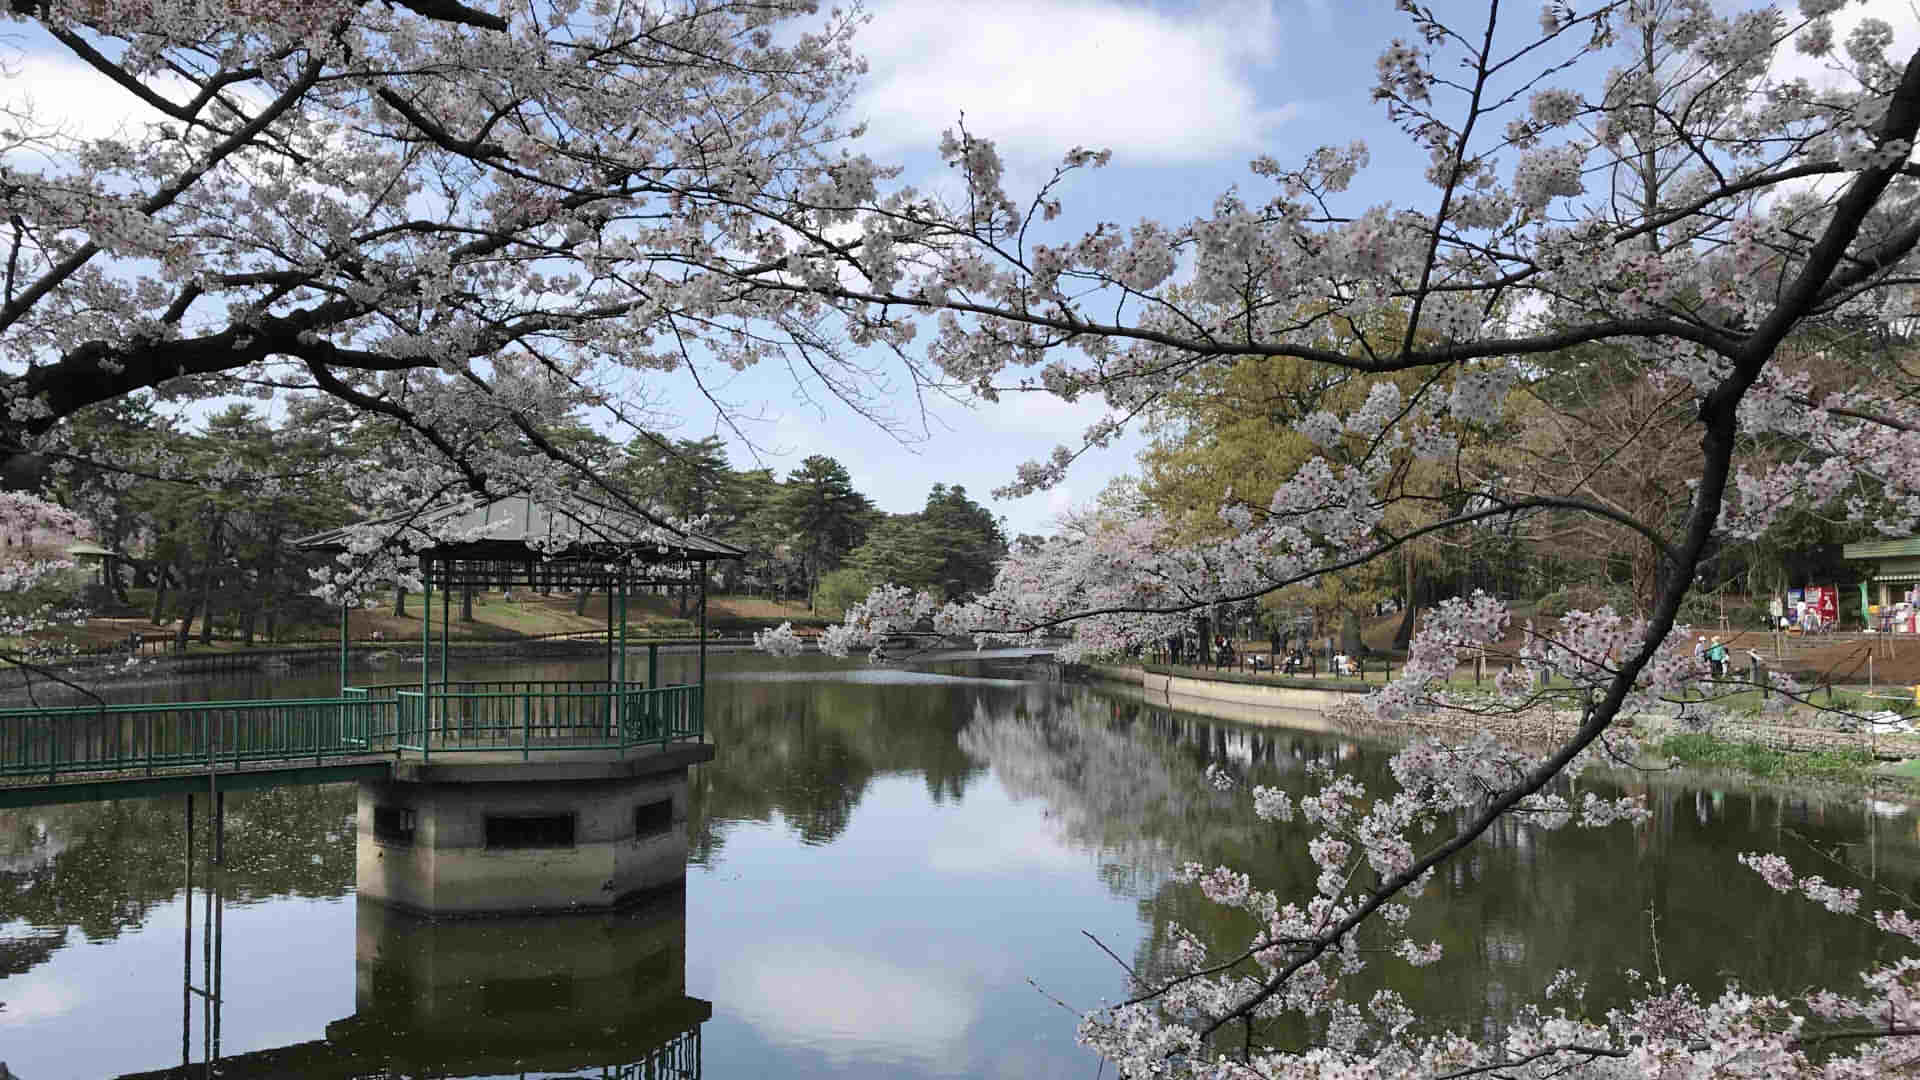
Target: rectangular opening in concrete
530	831
393	825
653	819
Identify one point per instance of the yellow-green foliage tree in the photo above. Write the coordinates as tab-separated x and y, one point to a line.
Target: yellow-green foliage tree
1228	434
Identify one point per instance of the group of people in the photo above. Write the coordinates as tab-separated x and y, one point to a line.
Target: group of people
1290	654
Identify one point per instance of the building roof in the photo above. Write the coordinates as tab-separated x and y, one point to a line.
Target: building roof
521	528
1881	549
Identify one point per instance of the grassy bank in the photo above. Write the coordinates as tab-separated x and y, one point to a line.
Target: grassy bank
496	617
1712	751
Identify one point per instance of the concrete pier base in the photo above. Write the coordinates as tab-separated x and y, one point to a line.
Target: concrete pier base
505	835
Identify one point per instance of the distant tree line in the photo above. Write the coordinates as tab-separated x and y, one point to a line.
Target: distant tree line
204	524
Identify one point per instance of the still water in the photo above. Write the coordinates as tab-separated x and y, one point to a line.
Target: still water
892	874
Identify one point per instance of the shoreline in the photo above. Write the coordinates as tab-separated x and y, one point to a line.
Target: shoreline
1340	709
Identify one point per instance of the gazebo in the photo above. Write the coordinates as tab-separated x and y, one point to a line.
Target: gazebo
566	541
102	559
528	796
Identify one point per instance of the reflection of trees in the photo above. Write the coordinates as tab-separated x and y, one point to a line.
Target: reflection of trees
809	749
19	955
102	867
1128	777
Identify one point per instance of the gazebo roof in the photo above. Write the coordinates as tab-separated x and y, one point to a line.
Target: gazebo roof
521	528
88	547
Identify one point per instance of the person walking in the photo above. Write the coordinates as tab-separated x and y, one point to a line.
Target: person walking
1717	656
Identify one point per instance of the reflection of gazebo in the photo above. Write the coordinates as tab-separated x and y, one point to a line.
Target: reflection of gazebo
602	994
569	541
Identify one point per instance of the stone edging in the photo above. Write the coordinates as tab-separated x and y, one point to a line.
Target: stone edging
1536	725
1240	690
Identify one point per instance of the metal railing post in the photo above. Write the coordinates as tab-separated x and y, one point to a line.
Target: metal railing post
426	659
343	645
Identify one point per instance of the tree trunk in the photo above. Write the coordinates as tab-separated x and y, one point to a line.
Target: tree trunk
159	596
1403	637
580	600
466	603
246	627
185	630
110	569
1350	633
399	601
206	608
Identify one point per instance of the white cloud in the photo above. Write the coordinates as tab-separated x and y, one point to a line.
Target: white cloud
1059	501
1791	63
63	92
1044	76
1043	414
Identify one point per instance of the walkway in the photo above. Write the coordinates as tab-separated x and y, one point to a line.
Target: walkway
82	753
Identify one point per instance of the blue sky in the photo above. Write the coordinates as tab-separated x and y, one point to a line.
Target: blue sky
1184	96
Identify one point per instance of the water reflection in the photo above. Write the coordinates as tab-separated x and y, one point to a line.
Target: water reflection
1127	777
880	865
563	995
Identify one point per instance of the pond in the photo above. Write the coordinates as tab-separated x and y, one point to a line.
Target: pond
893	873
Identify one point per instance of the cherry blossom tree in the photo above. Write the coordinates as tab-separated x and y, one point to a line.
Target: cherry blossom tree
474	223
455	218
1634	178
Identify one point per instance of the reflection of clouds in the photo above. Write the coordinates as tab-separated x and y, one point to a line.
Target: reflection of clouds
33	1002
1013	846
847	1004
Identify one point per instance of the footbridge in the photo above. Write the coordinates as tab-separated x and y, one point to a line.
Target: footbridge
81	753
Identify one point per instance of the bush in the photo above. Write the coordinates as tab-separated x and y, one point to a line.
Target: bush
841	589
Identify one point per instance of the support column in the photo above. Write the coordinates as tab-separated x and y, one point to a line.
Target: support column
525	837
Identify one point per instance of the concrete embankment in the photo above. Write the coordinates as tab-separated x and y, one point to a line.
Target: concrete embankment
1333	707
1229	696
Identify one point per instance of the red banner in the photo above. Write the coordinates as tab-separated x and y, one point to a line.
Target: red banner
1825	602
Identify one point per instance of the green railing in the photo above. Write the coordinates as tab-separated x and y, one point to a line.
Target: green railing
381	719
481	717
143	738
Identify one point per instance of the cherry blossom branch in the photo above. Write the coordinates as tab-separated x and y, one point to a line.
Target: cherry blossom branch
12	310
